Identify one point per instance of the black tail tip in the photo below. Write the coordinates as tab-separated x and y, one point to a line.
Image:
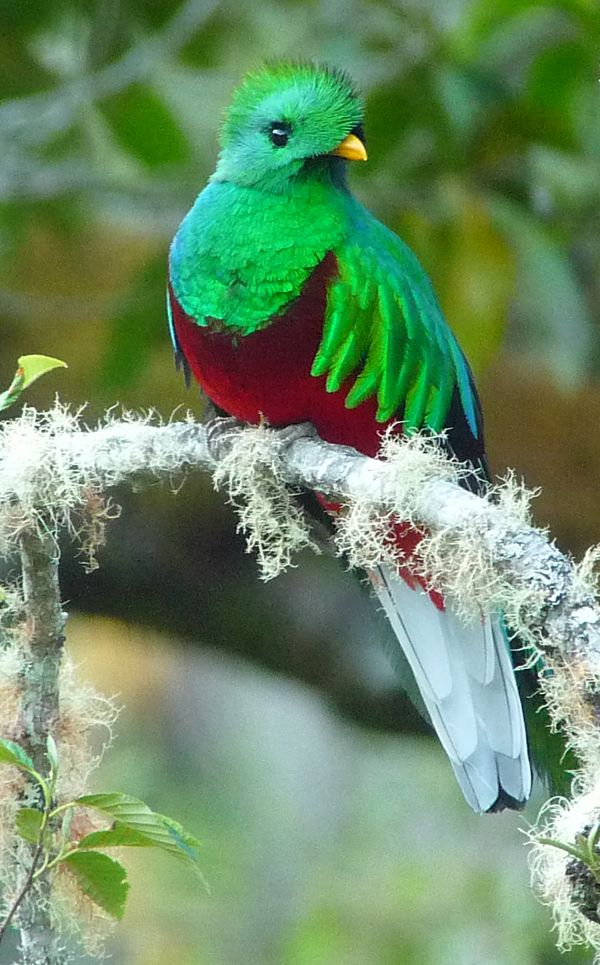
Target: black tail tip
506	802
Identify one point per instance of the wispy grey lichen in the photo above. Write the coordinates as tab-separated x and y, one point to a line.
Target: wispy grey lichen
269	516
480	553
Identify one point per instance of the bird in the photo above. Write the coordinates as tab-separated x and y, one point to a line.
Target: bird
289	302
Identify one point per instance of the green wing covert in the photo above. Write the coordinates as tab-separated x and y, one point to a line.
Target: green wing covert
383	323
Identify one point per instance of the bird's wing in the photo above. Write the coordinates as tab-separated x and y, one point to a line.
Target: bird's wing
383	325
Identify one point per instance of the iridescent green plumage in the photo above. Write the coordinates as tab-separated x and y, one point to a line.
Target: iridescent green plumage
383	324
383	327
291	303
279	91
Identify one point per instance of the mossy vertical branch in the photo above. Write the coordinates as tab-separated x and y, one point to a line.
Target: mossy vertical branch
39	716
44	626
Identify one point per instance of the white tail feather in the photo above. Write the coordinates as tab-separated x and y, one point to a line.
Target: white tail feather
467	681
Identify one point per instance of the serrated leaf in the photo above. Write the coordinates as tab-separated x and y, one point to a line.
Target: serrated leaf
119	836
33	366
182	838
100	878
162	832
113	803
11	753
28	822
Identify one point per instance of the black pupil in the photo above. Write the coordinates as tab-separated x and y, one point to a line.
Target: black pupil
279	135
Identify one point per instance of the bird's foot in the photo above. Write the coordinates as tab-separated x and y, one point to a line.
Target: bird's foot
299	430
219	432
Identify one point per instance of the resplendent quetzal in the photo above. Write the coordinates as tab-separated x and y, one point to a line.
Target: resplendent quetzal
290	302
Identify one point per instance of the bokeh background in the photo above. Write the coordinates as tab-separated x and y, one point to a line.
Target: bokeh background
267	717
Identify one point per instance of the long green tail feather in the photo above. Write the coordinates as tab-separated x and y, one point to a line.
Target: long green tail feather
552	760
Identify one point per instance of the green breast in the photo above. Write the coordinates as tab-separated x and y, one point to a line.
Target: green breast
241	255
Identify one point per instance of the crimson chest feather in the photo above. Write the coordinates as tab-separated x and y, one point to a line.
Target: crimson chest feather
267	374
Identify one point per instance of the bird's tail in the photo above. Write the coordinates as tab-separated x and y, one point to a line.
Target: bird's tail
466	679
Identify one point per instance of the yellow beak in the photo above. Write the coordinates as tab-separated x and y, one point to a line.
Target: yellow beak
352	148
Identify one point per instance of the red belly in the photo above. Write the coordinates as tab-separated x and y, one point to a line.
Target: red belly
267	374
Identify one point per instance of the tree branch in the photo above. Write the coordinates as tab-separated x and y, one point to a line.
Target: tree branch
42	646
49	464
45	623
481	552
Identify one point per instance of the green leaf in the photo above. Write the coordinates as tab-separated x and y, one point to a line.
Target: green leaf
33	366
183	838
144	126
11	753
101	879
13	392
119	836
161	831
28	823
30	369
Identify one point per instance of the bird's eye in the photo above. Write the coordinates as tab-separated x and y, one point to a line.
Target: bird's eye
279	134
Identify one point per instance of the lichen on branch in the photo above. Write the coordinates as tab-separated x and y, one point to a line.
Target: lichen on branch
478	551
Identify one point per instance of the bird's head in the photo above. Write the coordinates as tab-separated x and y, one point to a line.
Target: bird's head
288	119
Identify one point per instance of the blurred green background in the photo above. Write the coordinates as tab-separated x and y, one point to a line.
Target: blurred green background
267	718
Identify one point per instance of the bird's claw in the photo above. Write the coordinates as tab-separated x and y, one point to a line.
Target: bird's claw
299	430
219	431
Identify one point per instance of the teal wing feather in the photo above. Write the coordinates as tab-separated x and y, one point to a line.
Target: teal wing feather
383	325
